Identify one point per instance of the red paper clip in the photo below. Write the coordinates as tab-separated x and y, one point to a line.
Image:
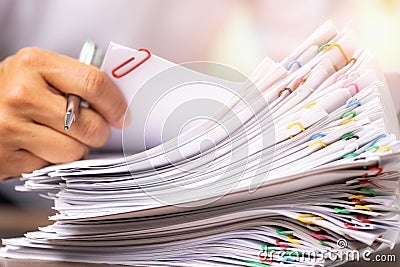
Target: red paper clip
353	84
348	226
359	201
379	169
370	182
280	244
265	259
114	71
361	219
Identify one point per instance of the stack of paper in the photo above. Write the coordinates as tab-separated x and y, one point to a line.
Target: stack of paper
307	174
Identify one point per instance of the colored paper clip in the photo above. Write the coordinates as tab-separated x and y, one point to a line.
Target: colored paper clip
350	155
384	148
379	169
353	113
289	126
311	104
319	142
279	232
372	147
266	247
361	219
341	50
323	46
347	121
356	196
368	191
354	60
359	201
341	211
353	84
317	236
324	243
301	218
289	66
370	182
358	103
256	263
281	244
348	226
283	90
294	242
379	139
115	70
300	82
363	207
315	136
349	136
287	258
293	253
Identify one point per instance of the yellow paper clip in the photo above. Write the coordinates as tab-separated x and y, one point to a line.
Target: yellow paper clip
301	218
384	148
356	196
317	142
294	124
347	121
341	50
291	240
363	207
311	104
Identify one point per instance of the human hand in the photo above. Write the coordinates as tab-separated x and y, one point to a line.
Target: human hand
32	108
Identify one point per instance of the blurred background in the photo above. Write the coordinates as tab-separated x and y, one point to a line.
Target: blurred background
237	33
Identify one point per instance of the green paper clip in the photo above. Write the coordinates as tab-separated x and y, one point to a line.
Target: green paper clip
342	211
349	113
279	232
350	155
372	147
324	243
347	135
368	191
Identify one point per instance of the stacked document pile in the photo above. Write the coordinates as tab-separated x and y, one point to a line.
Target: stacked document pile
306	174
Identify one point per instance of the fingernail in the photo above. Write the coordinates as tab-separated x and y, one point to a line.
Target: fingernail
128	118
120	122
125	120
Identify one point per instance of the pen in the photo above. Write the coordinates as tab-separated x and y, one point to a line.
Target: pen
91	55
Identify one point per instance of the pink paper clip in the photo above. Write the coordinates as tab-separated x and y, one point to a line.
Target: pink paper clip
320	237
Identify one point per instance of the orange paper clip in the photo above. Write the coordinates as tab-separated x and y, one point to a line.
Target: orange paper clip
300	82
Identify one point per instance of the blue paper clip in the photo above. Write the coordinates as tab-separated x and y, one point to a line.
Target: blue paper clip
358	103
289	66
315	136
379	139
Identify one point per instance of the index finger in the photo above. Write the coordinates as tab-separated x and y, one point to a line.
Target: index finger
73	77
